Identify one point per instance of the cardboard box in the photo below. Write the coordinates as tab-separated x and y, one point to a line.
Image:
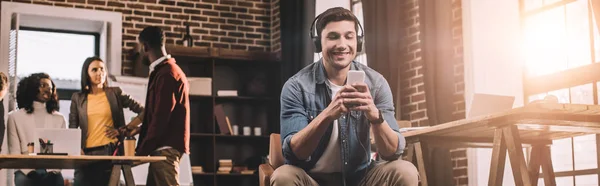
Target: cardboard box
200	86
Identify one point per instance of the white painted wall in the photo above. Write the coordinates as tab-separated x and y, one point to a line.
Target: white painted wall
493	65
322	5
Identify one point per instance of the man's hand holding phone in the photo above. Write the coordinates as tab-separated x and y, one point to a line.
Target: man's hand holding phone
360	99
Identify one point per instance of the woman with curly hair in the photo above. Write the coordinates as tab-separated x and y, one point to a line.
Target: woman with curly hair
98	111
38	108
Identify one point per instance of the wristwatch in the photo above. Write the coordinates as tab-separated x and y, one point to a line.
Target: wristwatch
378	120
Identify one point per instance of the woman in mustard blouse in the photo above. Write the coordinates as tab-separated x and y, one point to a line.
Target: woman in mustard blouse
98	111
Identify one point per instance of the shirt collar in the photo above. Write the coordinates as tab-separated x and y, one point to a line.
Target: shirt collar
158	61
321	74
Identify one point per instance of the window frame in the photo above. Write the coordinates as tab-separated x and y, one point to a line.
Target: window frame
567	79
65	93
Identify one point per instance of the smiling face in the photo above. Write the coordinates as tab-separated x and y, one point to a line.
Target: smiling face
339	41
45	90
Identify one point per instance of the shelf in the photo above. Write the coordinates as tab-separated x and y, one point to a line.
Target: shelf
227	136
235	174
221	174
247	98
201	135
235	98
223	54
204	174
240	136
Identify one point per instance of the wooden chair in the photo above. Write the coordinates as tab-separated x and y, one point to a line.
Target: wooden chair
275	160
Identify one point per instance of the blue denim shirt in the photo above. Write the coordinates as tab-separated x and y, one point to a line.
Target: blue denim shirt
305	95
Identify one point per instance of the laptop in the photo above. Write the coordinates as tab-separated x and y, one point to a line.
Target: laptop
63	140
485	104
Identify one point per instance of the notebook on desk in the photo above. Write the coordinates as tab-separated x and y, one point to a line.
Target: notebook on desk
63	140
485	104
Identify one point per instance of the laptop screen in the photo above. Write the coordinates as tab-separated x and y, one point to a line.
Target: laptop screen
485	104
63	140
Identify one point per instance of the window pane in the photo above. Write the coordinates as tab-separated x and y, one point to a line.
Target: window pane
585	152
548	2
532	4
64	109
563	95
582	94
578	34
596	40
586	180
545	40
562	158
537	97
564	181
58	54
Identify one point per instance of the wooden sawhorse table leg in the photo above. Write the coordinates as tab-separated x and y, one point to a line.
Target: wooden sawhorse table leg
507	138
115	176
540	156
421	153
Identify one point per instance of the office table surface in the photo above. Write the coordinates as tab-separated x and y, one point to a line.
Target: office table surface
67	162
538	122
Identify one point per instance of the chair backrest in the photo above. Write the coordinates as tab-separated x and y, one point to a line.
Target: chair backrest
275	153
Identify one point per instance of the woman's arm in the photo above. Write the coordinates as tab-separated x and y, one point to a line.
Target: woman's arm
74	113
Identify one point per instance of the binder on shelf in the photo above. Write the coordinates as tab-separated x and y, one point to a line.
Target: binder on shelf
222	120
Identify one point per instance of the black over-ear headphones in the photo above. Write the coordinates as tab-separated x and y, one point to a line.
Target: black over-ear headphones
316	38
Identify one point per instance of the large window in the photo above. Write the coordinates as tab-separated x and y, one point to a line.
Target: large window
58	53
561	39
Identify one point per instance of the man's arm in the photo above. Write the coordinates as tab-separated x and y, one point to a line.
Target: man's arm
299	137
390	143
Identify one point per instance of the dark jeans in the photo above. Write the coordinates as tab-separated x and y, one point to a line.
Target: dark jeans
164	172
39	177
97	174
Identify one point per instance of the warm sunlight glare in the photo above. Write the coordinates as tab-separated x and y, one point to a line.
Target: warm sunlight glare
557	39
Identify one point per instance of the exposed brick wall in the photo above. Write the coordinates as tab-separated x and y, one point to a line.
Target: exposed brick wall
412	87
275	27
458	156
238	25
413	101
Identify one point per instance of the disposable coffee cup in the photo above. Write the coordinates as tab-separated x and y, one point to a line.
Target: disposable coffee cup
129	145
30	147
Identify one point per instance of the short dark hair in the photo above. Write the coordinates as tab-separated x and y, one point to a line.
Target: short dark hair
3	81
152	36
85	76
28	89
333	15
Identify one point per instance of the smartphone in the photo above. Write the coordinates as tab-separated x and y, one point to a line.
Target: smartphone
355	76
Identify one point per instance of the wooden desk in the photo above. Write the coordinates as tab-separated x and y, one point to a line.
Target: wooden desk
120	163
535	124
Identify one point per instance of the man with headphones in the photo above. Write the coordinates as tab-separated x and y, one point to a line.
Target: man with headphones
325	122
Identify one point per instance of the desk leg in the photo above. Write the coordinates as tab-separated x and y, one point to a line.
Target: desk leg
534	163
422	156
547	169
128	175
515	152
498	159
410	152
115	175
